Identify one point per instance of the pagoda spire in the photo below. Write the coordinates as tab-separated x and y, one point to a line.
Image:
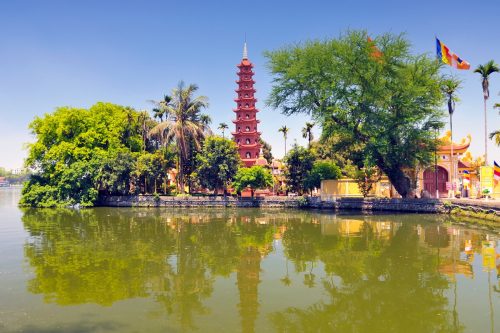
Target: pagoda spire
245	51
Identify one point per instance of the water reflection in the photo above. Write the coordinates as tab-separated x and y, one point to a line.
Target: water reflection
373	273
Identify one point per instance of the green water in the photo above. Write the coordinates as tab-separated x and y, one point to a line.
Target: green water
215	270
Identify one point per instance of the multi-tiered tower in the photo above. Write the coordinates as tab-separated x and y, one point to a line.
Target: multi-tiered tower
246	135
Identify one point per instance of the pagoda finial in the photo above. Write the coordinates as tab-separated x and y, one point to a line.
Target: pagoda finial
245	52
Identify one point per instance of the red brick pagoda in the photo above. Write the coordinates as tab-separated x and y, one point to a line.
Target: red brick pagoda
246	135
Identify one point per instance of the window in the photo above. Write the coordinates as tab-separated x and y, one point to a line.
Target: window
257	155
247	129
238	141
246	95
239	129
248	155
247	116
247	105
248	141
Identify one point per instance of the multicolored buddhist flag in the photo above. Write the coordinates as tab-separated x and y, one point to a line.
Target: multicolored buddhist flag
496	171
376	53
446	56
466	175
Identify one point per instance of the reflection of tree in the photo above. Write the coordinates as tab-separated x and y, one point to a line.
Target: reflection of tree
394	288
86	256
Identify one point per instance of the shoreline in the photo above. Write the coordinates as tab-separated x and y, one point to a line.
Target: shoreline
481	209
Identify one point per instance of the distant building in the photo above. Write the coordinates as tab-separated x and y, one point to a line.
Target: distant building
4	182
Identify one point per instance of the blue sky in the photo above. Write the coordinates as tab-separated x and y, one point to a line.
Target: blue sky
55	53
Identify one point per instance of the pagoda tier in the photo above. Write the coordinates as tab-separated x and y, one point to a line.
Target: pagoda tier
243	120
246	134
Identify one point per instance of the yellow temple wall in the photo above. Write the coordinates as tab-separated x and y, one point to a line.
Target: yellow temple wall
348	187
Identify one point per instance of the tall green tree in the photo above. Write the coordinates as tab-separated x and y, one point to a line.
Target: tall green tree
223	127
321	170
72	149
159	111
218	163
299	163
254	178
185	124
307	133
485	71
380	105
284	129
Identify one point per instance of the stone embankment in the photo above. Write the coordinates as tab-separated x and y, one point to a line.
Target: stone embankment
366	204
194	201
479	209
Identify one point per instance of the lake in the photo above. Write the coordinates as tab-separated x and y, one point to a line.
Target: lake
243	270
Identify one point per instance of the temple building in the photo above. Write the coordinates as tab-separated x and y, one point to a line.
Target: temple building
449	169
246	134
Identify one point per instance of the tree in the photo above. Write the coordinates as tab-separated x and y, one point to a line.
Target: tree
485	71
299	163
71	153
450	88
184	124
152	168
223	127
321	170
284	130
116	173
307	133
380	106
160	107
496	134
366	177
218	163
266	150
254	177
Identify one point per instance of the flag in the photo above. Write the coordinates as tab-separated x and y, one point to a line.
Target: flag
375	53
446	56
496	171
466	175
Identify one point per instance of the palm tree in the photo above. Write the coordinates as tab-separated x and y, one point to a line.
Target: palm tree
159	110
450	87
496	134
223	127
184	123
307	132
485	71
284	130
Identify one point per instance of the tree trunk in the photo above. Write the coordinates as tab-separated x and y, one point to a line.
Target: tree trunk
400	181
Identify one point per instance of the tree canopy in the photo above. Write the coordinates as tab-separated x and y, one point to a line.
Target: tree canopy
254	177
321	170
218	162
299	163
79	152
374	96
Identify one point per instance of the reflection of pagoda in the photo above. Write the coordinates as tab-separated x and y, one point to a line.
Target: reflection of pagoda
246	135
248	285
